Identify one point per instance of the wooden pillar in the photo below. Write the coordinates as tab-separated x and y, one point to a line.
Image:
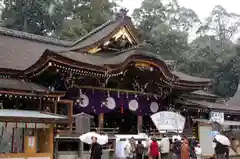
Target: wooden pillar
139	124
55	106
101	121
51	141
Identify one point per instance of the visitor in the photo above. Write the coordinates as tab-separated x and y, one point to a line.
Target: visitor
177	148
96	150
131	149
139	150
192	145
221	151
153	149
185	149
164	147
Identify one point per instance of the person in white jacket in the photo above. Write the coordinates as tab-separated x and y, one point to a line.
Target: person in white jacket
131	149
164	147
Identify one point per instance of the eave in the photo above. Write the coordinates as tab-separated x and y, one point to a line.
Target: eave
209	106
32	120
13	115
107	68
14	87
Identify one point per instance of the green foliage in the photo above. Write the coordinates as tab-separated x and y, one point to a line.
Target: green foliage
86	15
39	17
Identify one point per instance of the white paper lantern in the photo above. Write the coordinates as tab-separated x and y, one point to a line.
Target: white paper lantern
84	101
154	107
133	105
110	103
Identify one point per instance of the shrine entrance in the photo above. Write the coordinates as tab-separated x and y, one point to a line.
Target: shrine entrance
125	121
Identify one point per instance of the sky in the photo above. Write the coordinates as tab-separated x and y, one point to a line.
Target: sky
201	7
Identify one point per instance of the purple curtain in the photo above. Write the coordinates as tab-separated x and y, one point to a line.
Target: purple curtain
96	98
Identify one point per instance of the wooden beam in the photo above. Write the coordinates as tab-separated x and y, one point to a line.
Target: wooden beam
31	120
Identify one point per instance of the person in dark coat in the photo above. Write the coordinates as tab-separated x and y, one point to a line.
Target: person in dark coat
177	148
96	150
221	151
139	150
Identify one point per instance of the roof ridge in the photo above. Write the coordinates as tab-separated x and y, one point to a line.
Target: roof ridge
30	36
93	31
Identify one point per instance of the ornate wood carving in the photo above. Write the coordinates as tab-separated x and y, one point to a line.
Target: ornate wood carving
68	79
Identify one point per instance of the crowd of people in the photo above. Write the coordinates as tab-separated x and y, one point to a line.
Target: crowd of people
181	149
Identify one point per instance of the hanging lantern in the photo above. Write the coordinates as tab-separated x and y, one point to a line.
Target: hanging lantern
133	105
154	107
83	101
110	103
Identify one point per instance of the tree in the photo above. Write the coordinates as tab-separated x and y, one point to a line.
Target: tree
221	23
184	19
148	16
158	28
39	17
181	18
219	56
86	15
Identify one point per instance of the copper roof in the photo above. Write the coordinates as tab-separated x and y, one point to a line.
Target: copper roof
20	53
33	37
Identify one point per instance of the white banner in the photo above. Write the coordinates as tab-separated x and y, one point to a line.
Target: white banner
217	117
166	121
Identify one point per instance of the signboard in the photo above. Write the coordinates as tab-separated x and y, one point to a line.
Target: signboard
31	141
217	117
167	121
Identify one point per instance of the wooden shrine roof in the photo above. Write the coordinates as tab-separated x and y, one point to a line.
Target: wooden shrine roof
217	106
29	114
21	52
186	77
34	37
103	32
226	122
94	36
23	87
14	115
117	62
203	93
